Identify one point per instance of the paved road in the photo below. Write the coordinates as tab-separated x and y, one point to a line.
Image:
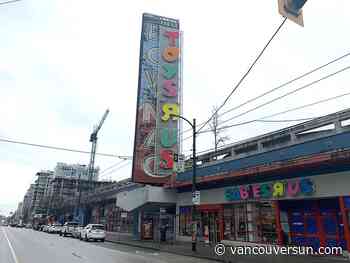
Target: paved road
29	246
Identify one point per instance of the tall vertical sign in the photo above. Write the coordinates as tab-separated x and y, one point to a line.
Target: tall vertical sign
158	100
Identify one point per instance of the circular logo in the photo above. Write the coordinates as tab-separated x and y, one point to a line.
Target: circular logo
219	249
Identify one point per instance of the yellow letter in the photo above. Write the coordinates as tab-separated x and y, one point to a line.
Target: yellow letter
278	189
168	109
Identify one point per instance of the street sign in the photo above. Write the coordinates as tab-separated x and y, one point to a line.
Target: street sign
292	9
179	163
196	198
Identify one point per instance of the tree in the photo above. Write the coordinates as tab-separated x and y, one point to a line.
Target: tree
218	134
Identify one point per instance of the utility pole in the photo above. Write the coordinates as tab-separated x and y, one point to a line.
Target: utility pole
194	181
194	188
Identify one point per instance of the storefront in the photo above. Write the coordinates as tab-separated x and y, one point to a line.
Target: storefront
158	223
304	211
315	223
153	211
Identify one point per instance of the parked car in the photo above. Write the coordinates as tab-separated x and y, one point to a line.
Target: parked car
94	232
77	231
45	228
68	228
55	228
28	225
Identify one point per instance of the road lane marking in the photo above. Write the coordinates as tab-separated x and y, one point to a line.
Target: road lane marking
11	247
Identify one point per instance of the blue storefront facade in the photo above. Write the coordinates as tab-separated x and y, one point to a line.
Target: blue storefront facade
288	193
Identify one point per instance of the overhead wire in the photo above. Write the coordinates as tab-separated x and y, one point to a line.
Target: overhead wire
286	94
258	120
278	98
245	75
117	169
112	166
263	119
9	2
62	148
281	85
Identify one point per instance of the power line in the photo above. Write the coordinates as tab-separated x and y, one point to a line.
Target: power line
281	85
251	121
280	97
9	2
63	149
112	166
287	94
263	119
117	169
286	111
245	75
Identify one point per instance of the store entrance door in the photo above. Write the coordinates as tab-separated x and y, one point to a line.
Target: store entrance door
211	226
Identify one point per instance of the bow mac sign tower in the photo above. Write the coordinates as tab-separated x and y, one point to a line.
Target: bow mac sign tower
157	132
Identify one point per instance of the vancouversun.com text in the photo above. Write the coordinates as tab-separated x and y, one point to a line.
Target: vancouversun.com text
221	249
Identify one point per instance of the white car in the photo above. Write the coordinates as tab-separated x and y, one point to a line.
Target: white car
77	231
46	228
94	232
55	228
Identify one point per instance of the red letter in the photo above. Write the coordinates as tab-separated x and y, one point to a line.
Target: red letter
166	159
170	88
256	191
244	193
172	36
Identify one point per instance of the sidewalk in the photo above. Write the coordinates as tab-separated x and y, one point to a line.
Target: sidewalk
179	248
207	252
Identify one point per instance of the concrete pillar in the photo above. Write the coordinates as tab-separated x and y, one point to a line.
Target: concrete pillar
251	225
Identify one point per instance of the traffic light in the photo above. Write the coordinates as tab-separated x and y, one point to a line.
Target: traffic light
292	9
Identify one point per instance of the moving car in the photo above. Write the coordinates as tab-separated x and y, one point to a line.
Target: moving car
94	232
68	228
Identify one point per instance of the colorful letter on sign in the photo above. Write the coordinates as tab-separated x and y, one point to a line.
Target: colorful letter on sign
274	190
159	93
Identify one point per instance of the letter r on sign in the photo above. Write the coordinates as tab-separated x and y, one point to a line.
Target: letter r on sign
168	110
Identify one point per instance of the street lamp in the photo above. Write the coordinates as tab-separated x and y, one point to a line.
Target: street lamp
194	188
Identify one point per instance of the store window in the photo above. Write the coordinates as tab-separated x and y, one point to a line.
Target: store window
185	221
250	222
123	221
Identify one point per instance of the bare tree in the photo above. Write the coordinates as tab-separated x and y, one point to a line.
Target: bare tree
219	137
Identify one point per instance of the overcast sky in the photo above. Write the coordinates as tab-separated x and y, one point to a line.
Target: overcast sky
63	62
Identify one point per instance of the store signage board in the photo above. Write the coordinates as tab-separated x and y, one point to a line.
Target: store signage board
159	96
271	190
179	163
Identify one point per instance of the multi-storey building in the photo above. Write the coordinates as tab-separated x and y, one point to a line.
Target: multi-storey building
40	202
27	203
75	171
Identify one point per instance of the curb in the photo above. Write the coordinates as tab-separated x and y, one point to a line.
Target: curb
164	250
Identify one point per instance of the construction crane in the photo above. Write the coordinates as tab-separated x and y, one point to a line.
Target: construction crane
93	140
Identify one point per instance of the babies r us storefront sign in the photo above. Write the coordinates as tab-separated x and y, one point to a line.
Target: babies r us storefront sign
273	190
